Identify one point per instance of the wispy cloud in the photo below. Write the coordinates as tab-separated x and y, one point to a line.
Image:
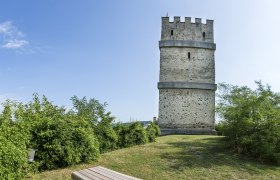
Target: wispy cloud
11	37
15	44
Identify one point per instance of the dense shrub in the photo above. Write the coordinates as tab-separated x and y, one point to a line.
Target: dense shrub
63	142
121	130
106	135
156	127
13	150
61	138
13	159
152	132
220	128
251	120
137	134
129	135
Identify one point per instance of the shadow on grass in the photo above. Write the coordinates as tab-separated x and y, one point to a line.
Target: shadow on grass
207	153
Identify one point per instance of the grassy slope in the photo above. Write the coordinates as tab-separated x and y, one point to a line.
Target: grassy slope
177	157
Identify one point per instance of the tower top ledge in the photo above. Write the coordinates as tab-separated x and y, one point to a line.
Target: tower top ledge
187	20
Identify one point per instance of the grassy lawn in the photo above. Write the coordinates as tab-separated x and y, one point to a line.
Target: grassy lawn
177	157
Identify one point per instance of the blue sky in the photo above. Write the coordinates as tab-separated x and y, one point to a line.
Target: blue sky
108	49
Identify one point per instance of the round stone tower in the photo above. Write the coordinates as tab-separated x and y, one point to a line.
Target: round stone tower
187	77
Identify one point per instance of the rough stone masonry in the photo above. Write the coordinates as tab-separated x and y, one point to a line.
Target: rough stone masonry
187	77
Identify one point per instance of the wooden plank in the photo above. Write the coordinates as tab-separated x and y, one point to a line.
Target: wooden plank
78	176
89	176
112	173
117	173
107	174
96	174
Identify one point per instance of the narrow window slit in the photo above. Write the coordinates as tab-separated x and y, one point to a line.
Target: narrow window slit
203	34
171	32
189	55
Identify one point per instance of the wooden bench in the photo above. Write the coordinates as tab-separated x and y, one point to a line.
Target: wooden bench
99	173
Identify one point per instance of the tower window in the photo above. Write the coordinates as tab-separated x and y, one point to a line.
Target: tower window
171	32
189	55
203	34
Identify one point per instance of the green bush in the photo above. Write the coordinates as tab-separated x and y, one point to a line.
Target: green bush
220	128
13	150
130	135
61	138
106	135
137	134
153	131
121	130
251	120
61	143
156	128
13	159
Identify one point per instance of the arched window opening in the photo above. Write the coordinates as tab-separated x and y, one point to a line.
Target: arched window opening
171	32
189	55
203	35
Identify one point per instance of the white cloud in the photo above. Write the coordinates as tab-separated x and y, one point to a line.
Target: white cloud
15	44
11	37
6	27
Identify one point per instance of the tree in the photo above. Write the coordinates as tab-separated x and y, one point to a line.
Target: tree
251	120
101	121
91	110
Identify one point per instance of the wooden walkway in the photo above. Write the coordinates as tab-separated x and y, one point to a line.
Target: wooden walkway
98	173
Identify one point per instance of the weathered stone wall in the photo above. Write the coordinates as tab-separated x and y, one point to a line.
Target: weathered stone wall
186	108
176	66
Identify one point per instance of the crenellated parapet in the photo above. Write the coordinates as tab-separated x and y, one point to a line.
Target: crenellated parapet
187	30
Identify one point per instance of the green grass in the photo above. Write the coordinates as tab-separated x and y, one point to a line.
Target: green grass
177	157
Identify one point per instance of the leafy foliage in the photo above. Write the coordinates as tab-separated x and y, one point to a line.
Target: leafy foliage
137	134
130	135
68	138
152	131
101	121
122	130
61	138
220	128
13	149
251	120
92	111
106	135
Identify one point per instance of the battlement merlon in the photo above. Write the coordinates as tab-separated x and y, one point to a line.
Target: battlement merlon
177	19
187	30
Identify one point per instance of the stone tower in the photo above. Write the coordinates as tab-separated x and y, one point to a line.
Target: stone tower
187	77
